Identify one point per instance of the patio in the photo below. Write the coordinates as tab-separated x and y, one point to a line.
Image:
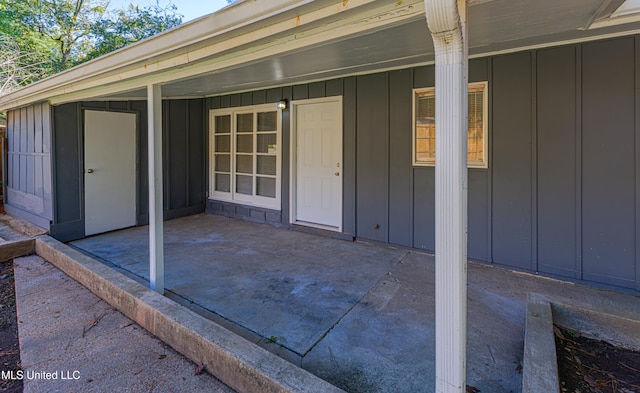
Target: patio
360	316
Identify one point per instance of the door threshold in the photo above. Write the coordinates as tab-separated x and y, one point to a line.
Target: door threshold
318	226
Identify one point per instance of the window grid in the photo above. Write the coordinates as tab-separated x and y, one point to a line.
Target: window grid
253	174
266	175
222	153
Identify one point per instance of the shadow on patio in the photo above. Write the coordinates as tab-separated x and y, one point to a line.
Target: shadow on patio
357	315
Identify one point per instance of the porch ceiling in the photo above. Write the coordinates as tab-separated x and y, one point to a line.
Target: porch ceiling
494	26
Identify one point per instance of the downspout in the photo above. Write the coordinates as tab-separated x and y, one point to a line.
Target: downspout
448	27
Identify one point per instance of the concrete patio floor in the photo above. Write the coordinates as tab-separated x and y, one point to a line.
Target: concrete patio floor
360	316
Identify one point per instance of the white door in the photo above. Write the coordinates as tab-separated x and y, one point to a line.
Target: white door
318	163
110	171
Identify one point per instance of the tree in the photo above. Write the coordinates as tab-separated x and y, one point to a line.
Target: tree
65	25
15	71
32	47
131	25
49	36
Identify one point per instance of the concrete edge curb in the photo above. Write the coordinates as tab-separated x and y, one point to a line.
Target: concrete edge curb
540	367
237	362
17	248
599	321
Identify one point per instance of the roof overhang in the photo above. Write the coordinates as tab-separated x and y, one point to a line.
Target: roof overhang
257	44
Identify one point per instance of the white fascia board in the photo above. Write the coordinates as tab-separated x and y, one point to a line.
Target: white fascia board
226	20
253	54
221	55
232	27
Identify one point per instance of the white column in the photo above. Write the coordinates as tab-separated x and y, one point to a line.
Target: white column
447	23
156	232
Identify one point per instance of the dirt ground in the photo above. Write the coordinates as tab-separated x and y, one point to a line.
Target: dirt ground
586	365
9	345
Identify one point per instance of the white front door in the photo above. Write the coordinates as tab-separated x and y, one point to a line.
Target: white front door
317	189
110	171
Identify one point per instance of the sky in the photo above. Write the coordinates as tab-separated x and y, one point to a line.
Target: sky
190	9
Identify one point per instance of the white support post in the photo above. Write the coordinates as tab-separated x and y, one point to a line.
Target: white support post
156	230
447	23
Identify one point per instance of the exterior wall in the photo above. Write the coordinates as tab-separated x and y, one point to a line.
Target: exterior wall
396	200
184	159
565	183
28	182
610	151
184	162
336	87
561	194
372	157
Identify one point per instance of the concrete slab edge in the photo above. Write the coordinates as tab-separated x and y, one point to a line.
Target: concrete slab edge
599	319
540	367
16	248
237	362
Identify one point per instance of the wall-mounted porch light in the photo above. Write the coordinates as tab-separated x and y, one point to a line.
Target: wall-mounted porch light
282	104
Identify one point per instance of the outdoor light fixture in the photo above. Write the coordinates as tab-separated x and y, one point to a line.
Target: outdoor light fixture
282	104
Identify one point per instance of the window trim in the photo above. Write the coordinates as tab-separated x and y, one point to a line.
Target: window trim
232	195
485	113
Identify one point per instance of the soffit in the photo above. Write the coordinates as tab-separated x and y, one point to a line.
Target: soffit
495	26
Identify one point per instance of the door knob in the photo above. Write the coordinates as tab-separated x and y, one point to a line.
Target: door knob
337	173
89	170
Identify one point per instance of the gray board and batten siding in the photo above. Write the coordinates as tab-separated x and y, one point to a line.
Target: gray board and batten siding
28	176
183	157
560	195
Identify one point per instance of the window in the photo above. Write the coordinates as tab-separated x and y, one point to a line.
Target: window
245	155
424	126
